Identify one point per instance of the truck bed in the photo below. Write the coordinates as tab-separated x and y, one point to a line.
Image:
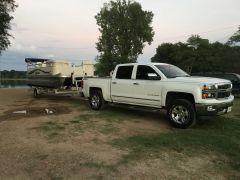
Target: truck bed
95	82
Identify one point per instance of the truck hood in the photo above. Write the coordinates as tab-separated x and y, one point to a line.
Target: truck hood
198	79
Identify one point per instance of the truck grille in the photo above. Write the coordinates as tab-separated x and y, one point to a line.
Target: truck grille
224	86
223	94
223	91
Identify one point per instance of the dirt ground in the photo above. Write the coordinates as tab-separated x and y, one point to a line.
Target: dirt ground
74	142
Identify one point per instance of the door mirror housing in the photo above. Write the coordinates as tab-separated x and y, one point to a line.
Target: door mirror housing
153	76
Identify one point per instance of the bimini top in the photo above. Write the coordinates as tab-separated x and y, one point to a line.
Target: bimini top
35	60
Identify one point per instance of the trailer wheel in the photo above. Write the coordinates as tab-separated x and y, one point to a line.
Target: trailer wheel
35	93
182	114
96	100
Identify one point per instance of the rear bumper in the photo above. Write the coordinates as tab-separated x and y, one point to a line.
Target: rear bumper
213	109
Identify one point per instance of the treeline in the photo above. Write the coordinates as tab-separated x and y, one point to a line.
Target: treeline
13	74
199	55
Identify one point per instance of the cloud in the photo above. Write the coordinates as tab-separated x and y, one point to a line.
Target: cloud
70	31
14	57
17	28
14	60
24	48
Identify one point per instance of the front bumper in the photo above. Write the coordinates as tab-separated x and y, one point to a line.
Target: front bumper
213	109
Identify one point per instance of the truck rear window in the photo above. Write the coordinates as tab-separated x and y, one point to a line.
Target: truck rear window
124	72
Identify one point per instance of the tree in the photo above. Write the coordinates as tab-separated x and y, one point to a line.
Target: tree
196	42
199	55
6	7
235	38
125	28
165	53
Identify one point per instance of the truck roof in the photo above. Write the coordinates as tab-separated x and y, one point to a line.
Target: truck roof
148	63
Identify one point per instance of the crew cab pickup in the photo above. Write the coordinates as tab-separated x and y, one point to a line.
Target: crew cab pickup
161	85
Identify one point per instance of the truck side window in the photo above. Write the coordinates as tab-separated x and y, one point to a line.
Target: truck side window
143	72
124	72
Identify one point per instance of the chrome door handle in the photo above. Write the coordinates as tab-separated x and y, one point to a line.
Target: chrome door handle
135	83
114	82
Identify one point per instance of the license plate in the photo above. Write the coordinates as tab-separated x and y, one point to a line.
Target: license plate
229	109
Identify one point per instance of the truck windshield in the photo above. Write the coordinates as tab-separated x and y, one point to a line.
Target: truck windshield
238	75
171	71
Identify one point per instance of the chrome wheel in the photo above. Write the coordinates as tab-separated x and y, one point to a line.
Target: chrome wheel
180	114
95	101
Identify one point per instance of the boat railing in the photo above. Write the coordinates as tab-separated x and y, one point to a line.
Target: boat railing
32	65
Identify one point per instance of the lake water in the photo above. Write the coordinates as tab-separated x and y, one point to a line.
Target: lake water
13	84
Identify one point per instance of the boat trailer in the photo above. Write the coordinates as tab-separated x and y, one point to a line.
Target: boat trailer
75	90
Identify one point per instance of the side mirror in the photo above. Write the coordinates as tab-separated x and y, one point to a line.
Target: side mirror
153	76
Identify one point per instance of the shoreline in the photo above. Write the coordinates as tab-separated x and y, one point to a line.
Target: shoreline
18	87
13	79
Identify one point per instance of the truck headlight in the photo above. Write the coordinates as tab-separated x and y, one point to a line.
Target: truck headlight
209	91
209	87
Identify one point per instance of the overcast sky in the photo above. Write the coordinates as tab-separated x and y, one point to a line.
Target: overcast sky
66	29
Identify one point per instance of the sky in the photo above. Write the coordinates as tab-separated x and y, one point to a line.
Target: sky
66	29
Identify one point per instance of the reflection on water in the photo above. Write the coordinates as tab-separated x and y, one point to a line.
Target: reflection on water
13	83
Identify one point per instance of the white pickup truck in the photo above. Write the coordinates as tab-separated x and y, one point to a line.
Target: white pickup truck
162	85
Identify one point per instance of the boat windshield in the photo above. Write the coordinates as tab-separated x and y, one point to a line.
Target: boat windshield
171	71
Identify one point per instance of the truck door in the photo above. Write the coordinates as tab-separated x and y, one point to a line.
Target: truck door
147	86
121	87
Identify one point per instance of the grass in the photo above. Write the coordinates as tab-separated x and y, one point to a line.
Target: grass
115	114
96	165
82	118
86	122
52	130
40	156
219	135
74	121
81	105
101	167
111	114
108	129
54	177
50	126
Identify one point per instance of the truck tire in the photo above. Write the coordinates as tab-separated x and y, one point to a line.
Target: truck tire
96	100
182	114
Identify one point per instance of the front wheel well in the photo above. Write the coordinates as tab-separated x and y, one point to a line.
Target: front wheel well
94	89
171	96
